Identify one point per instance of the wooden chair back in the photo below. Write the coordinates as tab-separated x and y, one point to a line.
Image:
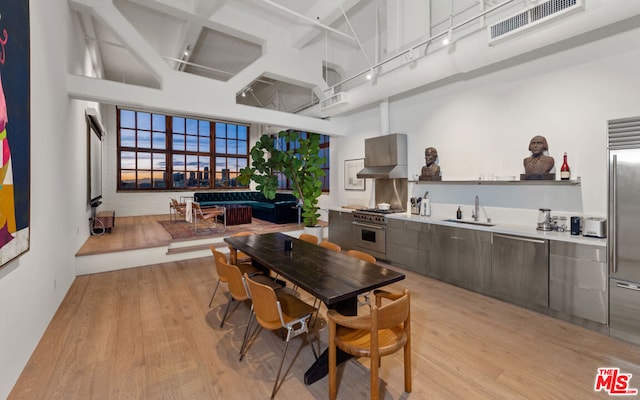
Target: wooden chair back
265	304
234	279
362	255
313	239
218	257
329	245
384	331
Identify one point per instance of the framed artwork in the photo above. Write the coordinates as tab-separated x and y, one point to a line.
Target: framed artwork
351	180
15	129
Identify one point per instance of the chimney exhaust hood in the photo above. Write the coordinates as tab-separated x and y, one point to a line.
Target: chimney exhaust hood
385	157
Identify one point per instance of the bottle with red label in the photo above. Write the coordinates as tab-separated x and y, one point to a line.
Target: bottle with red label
565	172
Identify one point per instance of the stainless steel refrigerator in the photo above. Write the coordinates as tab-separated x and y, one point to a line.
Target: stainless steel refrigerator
624	229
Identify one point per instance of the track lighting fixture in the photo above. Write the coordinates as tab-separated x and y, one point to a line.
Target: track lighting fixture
370	75
447	38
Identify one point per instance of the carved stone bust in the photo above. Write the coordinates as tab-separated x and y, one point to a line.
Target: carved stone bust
431	171
538	165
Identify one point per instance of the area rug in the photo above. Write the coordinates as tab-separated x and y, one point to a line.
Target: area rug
184	229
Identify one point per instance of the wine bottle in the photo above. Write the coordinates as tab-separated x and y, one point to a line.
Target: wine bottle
565	172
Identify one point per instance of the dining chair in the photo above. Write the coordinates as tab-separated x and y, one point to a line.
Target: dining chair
275	310
385	330
362	255
200	215
330	245
313	239
244	268
237	290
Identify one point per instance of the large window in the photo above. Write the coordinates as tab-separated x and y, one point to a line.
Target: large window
163	152
284	183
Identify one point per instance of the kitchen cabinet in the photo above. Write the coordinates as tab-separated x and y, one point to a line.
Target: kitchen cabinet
340	228
520	270
578	280
409	245
461	257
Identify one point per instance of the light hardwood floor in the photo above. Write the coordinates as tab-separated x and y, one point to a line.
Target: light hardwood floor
147	333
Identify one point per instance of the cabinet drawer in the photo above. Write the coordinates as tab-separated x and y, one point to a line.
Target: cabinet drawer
470	235
581	251
581	273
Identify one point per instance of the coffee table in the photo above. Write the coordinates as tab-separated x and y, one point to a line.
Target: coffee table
238	214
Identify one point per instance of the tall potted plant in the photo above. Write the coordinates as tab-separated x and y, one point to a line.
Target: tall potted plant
301	165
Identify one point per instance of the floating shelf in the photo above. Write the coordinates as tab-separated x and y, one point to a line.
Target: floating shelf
514	182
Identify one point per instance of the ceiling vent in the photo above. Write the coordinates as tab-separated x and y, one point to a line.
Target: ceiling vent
531	17
333	100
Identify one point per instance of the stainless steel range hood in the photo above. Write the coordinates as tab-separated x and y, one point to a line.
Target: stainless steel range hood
385	157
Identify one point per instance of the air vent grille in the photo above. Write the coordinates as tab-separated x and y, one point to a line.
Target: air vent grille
333	100
532	16
624	133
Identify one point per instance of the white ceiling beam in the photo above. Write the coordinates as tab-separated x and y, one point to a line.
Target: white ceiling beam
88	28
111	17
177	9
190	34
328	14
195	100
309	20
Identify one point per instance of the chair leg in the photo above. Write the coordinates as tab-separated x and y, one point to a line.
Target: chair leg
251	336
315	354
214	293
246	335
275	385
407	367
226	310
375	387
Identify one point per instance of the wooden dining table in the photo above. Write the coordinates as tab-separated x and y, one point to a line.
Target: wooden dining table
333	277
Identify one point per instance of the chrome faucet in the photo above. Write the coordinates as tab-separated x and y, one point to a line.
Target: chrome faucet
476	212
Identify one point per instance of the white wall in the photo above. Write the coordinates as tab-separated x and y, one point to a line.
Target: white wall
32	286
482	126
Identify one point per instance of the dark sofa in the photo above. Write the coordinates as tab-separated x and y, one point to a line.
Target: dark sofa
281	210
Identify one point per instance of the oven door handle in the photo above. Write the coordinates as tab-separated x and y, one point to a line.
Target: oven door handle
379	227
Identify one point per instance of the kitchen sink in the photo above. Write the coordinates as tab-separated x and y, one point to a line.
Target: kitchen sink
462	221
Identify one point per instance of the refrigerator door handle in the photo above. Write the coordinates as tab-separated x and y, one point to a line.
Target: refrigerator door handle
613	242
627	286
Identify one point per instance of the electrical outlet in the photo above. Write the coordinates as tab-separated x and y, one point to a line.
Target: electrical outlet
54	283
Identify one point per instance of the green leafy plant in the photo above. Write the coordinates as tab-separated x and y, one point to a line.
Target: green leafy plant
301	165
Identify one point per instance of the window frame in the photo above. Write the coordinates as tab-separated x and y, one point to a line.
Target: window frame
203	155
325	145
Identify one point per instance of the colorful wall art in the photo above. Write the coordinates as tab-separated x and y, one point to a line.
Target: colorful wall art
15	129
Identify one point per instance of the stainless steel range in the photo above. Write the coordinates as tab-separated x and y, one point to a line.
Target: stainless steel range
369	229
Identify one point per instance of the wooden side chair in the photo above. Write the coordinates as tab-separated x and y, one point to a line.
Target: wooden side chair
330	245
384	331
313	239
200	215
218	257
277	310
237	289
